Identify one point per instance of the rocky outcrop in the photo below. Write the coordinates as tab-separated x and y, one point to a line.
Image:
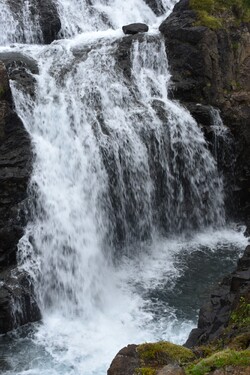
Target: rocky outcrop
212	67
135	28
162	358
17	303
20	69
125	362
15	170
215	316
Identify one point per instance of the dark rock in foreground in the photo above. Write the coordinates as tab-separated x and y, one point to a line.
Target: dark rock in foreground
135	28
162	358
214	317
125	362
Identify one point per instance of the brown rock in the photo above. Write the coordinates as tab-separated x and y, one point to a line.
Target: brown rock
171	370
125	362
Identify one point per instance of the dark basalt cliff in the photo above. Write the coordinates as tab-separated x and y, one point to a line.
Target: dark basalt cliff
15	170
212	67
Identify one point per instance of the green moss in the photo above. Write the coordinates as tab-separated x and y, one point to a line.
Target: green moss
161	353
220	360
218	13
207	20
241	341
145	371
241	315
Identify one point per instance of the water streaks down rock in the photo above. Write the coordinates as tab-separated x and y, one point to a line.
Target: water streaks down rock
15	171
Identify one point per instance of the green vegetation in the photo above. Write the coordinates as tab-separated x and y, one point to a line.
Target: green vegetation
161	353
155	356
216	14
240	342
145	371
241	315
219	360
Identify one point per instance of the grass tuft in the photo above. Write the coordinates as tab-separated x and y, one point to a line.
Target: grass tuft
216	14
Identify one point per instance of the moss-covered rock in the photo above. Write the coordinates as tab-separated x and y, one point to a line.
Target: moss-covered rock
220	13
163	352
219	360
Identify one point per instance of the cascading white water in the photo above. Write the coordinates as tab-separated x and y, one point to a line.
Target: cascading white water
97	15
19	26
8	25
119	170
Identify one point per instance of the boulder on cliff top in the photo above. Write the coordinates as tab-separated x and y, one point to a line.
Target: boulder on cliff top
135	28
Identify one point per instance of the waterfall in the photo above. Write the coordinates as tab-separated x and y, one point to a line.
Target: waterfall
120	172
129	162
20	24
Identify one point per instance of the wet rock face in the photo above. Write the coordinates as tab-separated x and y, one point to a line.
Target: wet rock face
43	12
15	170
212	67
17	302
156	6
214	317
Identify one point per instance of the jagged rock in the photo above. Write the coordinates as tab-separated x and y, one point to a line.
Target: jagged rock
17	302
20	69
135	28
10	58
15	170
201	113
212	67
125	362
162	358
215	315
